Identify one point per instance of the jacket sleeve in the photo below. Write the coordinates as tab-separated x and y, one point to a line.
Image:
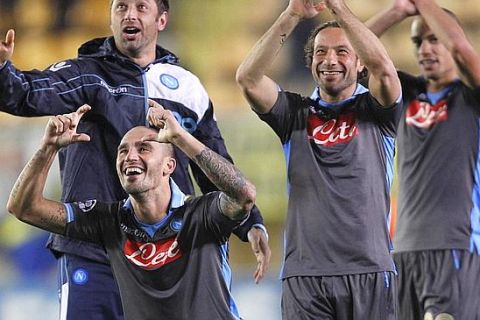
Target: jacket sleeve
56	90
209	134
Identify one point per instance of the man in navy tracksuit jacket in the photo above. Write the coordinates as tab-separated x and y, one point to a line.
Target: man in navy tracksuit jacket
116	81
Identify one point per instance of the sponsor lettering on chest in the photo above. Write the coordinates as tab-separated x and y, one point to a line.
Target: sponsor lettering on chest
331	132
152	255
424	115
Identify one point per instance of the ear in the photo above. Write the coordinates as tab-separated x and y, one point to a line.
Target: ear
360	67
162	21
169	166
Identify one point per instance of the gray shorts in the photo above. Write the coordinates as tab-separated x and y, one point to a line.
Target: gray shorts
347	297
438	284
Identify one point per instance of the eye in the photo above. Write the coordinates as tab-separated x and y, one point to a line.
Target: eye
433	40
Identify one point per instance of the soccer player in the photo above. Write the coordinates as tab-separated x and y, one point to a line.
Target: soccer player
339	146
168	254
437	234
114	75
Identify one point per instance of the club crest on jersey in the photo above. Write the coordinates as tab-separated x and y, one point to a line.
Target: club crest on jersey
331	132
422	114
169	81
152	255
176	224
59	65
87	205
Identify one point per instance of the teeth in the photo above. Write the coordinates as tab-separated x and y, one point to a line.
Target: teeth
132	170
328	73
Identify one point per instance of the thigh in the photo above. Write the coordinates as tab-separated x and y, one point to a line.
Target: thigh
87	290
469	277
306	298
366	296
408	286
440	284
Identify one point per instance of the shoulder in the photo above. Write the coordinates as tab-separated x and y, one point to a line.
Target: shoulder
175	83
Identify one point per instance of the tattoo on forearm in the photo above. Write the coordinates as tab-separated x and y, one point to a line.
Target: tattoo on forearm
221	172
55	220
21	178
283	38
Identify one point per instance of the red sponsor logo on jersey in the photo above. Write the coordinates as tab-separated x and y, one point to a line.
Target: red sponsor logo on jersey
333	131
152	255
424	115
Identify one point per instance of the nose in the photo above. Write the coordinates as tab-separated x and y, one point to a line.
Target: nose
131	155
331	57
425	47
131	13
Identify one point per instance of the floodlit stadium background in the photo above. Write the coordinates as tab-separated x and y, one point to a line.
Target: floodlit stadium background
211	37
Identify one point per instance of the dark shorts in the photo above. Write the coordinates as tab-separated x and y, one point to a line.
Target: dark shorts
87	290
438	284
348	297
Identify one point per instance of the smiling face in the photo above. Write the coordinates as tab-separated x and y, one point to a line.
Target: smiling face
143	165
335	65
435	61
135	25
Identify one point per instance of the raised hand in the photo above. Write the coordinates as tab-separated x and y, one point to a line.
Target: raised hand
164	120
62	130
405	6
6	47
305	9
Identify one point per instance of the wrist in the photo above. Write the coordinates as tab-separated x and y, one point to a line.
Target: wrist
47	147
292	15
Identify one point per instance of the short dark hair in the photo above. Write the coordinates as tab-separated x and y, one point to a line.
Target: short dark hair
308	49
162	5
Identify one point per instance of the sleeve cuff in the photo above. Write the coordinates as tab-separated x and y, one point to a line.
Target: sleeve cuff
261	227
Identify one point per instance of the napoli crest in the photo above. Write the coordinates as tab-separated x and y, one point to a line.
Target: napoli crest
176	224
80	276
87	205
169	81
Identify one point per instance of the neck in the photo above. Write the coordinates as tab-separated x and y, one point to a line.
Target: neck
141	58
337	96
143	61
152	206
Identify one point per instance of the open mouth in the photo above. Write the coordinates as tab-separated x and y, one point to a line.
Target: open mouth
133	171
131	31
428	62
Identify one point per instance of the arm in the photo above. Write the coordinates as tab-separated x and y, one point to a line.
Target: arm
238	194
261	91
26	200
38	93
396	13
383	82
451	35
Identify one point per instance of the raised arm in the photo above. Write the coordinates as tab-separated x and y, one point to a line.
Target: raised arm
383	82
396	13
238	195
448	31
26	200
261	91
